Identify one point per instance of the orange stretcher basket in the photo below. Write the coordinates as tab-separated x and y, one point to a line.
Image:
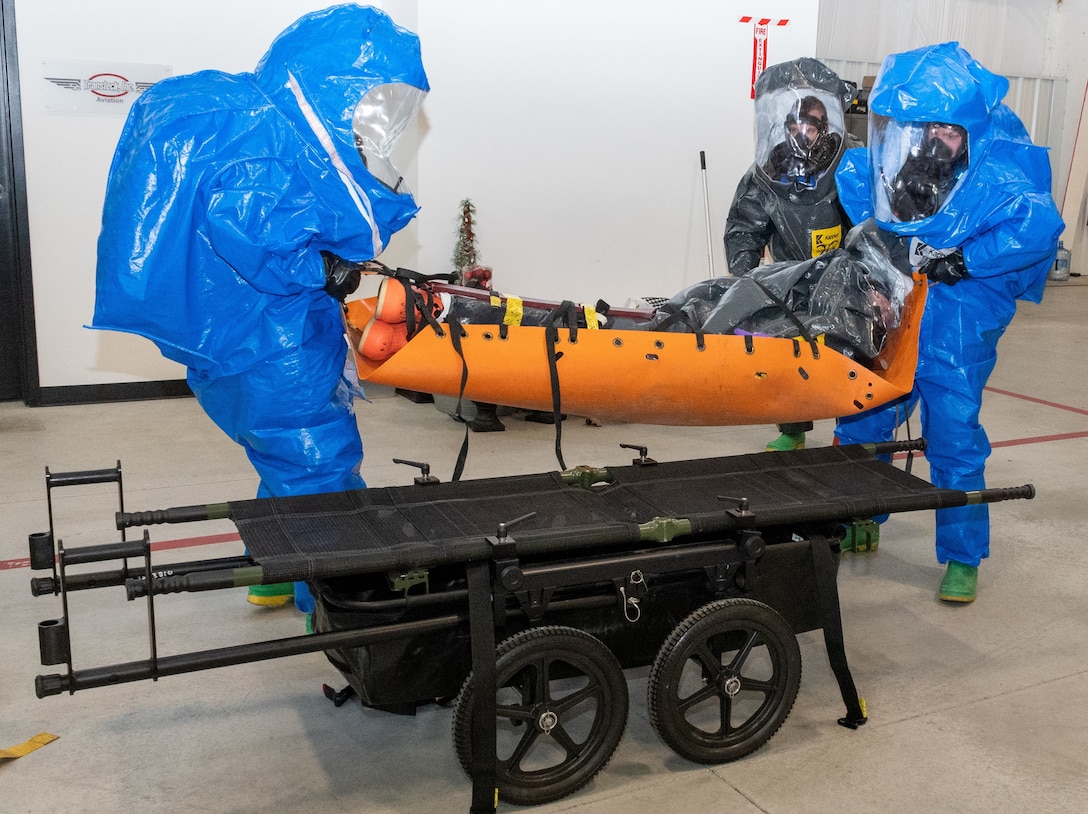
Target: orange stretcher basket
650	377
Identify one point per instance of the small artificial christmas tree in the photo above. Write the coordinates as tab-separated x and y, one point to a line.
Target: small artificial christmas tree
470	273
466	254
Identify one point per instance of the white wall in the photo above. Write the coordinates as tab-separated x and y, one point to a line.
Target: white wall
1007	37
1067	56
1010	37
574	126
68	156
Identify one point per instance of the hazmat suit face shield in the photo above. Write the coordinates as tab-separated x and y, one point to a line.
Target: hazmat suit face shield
379	120
799	134
915	167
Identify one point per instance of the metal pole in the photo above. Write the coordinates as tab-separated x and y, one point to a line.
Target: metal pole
706	209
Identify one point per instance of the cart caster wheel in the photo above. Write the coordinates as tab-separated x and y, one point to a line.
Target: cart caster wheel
724	681
561	710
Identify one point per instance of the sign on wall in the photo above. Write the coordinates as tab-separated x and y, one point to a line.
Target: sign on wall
761	43
97	87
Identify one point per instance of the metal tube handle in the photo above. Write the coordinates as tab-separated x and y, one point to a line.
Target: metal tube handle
1025	492
178	514
83	476
102	553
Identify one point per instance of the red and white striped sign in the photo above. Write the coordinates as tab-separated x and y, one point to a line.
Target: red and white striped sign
761	29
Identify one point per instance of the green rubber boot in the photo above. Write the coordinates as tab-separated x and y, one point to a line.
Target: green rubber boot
271	596
862	536
959	584
787	441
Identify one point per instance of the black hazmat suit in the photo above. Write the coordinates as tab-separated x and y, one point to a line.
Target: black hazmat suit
787	199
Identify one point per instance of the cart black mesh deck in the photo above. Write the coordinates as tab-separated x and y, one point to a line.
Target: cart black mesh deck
320	536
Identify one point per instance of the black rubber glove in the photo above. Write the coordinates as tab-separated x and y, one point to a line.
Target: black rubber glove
341	277
949	269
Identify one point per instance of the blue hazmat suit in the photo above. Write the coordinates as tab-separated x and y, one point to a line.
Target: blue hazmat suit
223	194
995	212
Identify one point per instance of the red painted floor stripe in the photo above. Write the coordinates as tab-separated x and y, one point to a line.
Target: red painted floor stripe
189	542
192	542
1017	442
164	545
1040	439
1054	404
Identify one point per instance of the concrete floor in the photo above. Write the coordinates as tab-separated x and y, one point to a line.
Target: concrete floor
979	708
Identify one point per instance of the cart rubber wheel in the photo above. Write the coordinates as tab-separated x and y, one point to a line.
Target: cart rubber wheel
724	681
561	708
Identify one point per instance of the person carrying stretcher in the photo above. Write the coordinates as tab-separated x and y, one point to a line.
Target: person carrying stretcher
230	202
951	171
787	200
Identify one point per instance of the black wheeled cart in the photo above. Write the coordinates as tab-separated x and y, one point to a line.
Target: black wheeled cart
706	570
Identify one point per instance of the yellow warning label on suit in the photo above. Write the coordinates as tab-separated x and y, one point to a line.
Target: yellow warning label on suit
37	742
825	240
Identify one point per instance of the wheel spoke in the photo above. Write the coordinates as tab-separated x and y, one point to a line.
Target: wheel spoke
711	665
567	702
540	689
520	683
572	749
518	714
710	661
525	743
764	687
726	712
684	704
744	652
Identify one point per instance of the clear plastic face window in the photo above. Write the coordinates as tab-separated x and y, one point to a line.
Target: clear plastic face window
799	131
915	167
379	120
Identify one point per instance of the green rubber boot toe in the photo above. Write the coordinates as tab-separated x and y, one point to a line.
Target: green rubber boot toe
960	583
271	596
786	442
861	536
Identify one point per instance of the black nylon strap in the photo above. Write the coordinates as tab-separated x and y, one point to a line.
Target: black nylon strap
407	274
684	319
827	594
792	316
455	338
566	313
551	337
482	644
409	305
421	279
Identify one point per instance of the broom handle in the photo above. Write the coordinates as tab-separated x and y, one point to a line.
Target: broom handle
706	209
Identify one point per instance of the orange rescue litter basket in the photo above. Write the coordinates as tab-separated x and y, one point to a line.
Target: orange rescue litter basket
647	377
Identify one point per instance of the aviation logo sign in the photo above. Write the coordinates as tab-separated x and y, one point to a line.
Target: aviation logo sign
84	87
761	30
108	87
